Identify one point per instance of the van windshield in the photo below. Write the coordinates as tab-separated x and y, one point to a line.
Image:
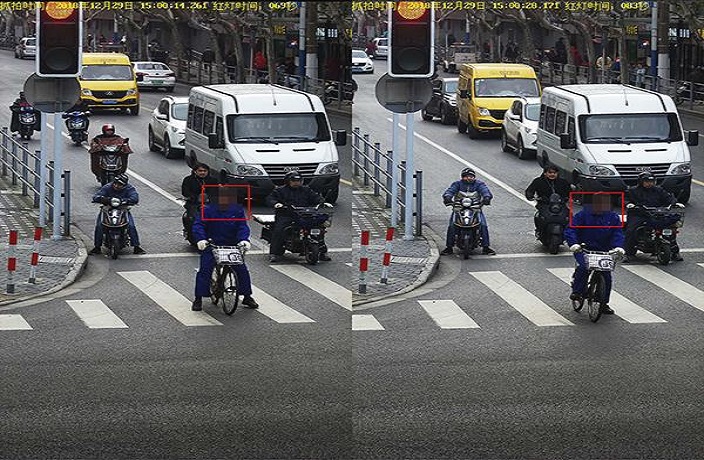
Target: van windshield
505	87
278	127
630	128
107	72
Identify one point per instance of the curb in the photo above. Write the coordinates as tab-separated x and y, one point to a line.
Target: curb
694	113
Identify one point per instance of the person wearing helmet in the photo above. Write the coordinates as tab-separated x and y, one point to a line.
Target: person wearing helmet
21	101
118	188
107	137
292	193
545	185
468	183
646	193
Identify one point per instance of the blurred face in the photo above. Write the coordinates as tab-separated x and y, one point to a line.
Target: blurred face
202	172
117	186
648	183
551	174
109	132
601	203
468	178
295	183
226	197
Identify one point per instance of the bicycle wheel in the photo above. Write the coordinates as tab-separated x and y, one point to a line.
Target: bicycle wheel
215	285
230	299
595	294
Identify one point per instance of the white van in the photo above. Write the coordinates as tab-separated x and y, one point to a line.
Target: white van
254	134
602	136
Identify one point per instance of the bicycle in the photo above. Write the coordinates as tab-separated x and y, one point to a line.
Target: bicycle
597	262
223	281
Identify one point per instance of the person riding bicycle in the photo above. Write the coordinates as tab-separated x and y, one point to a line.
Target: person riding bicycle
118	188
599	229
544	186
646	193
225	224
469	183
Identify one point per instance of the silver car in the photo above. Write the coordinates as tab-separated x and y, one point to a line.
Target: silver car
167	126
27	47
520	127
154	75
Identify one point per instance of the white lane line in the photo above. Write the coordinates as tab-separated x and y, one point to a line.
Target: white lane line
447	314
366	323
278	311
169	299
623	307
14	323
323	286
675	286
521	299
95	314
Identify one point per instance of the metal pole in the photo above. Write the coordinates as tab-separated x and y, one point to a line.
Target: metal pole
67	203
395	149
377	169
653	40
58	147
25	168
302	43
389	181
37	179
365	168
43	171
408	218
402	181
5	136
50	171
13	163
355	151
419	203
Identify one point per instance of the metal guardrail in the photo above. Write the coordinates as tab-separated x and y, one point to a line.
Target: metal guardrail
367	159
24	168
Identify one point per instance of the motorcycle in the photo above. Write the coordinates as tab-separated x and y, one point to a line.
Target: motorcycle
684	93
332	92
28	121
305	235
466	212
77	125
553	221
114	219
656	235
111	152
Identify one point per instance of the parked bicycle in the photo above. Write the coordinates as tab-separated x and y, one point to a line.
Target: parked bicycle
598	262
223	282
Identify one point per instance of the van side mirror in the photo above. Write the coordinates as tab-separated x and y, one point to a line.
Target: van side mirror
566	141
692	137
340	137
464	94
214	142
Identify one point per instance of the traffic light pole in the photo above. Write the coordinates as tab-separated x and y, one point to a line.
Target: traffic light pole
42	169
58	170
410	169
395	149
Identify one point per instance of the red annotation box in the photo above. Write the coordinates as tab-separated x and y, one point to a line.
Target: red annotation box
589	197
234	194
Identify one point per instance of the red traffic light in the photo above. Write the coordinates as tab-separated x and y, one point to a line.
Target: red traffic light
411	50
59	40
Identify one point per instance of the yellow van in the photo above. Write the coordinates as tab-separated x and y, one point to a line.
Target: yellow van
108	82
486	91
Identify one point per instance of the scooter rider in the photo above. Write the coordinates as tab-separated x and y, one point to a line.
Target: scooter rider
119	188
21	101
292	193
108	133
79	106
192	187
468	183
544	186
646	193
225	224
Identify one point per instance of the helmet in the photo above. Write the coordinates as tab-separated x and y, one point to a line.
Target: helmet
468	172
291	176
121	179
645	175
109	127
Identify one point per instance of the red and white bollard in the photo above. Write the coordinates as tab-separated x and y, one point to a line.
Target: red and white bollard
11	262
35	255
386	261
363	262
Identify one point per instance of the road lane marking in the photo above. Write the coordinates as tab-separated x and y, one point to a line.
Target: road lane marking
447	314
95	314
168	298
323	286
521	299
675	286
623	307
14	323
276	310
366	323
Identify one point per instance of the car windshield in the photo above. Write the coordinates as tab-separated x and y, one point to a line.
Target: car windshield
359	54
278	127
533	112
107	72
506	87
152	66
382	43
630	128
31	42
180	111
450	87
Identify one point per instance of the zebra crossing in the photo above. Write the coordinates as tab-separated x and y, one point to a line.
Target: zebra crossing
449	314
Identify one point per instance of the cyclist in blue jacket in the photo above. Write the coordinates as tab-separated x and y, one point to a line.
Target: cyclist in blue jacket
225	224
607	236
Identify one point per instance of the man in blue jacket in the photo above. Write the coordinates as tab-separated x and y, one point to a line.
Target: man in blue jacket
225	224
469	183
600	229
118	188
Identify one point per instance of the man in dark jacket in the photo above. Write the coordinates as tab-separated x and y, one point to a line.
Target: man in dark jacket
20	102
646	193
194	187
119	188
292	193
544	186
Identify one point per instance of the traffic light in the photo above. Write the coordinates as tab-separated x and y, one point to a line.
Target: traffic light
59	39
411	33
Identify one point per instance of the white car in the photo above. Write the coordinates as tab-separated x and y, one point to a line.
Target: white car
361	62
167	126
520	127
27	47
154	75
381	48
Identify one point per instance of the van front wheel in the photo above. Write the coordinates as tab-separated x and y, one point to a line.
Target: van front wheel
461	126
472	131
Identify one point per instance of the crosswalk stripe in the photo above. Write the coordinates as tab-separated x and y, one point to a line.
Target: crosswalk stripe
276	310
521	299
169	299
366	323
447	314
675	286
323	286
95	314
14	323
623	307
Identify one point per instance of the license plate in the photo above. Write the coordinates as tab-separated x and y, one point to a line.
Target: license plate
315	231
157	82
667	231
109	101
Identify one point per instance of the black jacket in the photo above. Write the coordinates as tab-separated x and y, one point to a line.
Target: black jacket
544	188
653	196
301	196
191	187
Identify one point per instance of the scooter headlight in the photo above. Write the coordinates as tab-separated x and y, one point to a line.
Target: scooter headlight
114	202
466	202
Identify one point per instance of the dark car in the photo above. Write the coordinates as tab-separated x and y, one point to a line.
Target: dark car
443	103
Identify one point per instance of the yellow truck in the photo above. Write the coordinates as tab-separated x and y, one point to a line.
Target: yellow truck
108	82
486	91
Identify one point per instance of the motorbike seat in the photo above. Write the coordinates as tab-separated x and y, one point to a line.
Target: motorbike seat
264	219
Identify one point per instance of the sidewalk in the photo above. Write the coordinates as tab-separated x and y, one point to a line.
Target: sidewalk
412	262
60	261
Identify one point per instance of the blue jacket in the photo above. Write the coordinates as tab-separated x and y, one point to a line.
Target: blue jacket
222	232
462	186
127	193
597	239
